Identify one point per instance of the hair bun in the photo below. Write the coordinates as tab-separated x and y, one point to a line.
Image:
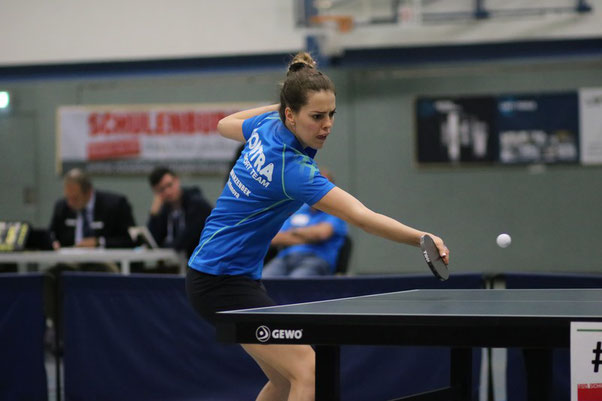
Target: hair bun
294	67
300	61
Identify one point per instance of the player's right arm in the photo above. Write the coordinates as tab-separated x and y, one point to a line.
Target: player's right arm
343	205
231	126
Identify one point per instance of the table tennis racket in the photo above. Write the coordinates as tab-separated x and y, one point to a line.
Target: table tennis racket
432	257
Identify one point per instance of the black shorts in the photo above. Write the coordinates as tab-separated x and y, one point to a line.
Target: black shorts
209	294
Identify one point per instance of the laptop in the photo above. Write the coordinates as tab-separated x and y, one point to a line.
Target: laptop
39	239
142	237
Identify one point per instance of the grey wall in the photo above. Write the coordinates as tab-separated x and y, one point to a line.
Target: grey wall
553	214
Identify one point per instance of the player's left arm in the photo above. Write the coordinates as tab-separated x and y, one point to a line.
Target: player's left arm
345	206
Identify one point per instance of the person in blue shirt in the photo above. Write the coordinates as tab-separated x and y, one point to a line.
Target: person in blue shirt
274	176
310	241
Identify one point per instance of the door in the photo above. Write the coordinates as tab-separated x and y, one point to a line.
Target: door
18	165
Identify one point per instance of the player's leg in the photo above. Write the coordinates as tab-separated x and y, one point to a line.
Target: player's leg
296	363
277	387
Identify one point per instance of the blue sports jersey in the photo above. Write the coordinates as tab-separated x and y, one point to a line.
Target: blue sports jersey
327	250
272	178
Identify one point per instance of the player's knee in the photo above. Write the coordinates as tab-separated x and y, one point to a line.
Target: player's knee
305	375
304	385
309	382
278	388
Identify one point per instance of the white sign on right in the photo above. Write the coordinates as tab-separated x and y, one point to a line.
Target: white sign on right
586	361
590	121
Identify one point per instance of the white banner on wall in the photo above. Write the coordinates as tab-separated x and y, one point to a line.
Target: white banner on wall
135	138
586	361
590	120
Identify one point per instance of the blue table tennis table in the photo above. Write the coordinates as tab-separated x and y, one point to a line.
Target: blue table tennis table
460	319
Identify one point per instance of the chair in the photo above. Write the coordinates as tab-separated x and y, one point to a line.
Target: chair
344	255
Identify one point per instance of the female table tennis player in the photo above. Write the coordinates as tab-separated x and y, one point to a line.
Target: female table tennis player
273	177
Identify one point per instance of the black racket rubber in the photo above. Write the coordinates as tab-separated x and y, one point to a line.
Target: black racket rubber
432	258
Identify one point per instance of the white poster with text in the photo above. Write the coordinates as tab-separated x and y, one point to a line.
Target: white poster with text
590	121
135	138
586	361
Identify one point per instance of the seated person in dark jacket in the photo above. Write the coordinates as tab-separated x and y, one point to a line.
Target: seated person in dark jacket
87	217
178	214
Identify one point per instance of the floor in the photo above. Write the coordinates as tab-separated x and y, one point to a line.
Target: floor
499	381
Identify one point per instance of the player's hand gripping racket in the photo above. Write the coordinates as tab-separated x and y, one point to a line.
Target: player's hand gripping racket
432	257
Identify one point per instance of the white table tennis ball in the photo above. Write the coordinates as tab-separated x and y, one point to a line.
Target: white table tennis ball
503	240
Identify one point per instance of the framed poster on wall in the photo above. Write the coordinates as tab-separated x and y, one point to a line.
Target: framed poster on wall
504	129
541	128
456	130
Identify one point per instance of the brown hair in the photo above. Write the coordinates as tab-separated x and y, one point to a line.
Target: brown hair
301	78
79	177
158	173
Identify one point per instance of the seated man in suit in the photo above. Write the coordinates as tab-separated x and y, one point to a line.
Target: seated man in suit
311	239
177	215
87	218
90	218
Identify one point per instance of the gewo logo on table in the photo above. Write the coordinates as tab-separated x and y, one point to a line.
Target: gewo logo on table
263	334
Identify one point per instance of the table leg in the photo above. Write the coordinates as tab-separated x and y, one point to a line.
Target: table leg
461	373
539	368
125	267
22	267
328	385
182	264
460	380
